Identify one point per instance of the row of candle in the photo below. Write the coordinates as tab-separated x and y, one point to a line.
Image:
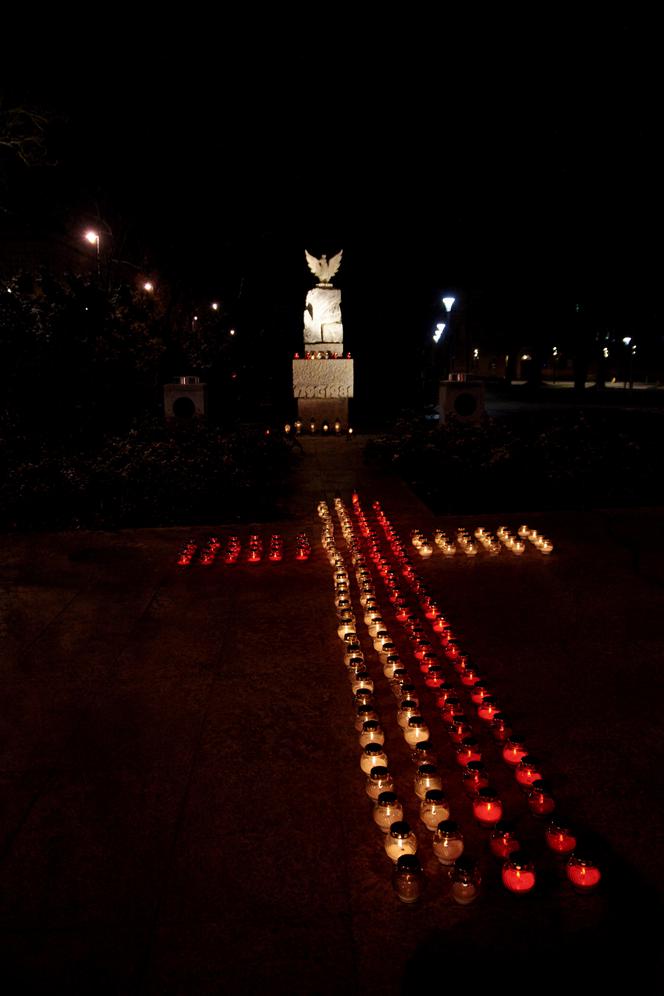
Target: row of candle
254	551
581	872
481	537
325	428
400	841
322	354
518	874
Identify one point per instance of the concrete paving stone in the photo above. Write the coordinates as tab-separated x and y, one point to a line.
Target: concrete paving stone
286	954
85	959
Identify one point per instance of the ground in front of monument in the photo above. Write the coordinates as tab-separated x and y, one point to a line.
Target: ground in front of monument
183	805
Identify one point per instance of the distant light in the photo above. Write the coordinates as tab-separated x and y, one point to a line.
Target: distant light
436	336
232	332
627	340
148	286
606	352
215	306
92	237
526	356
448	302
195	318
476	354
9	290
555	350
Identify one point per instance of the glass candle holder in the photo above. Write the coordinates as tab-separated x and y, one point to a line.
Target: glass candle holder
407	878
468	750
407	708
434	809
444	691
427	777
487	709
372	756
518	874
475	777
514	750
381	637
478	692
487	807
560	838
387	810
434	675
500	728
422	648
379	780
400	840
375	625
363	696
471	676
364	713
583	873
540	800
465	881
392	662
423	753
353	649
453	707
361	681
447	842
503	840
416	731
459	729
389	649
528	771
372	733
399	678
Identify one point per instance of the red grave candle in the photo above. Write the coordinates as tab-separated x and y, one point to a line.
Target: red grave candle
487	709
475	777
478	691
500	728
503	840
468	750
540	800
583	873
514	750
560	838
487	807
518	875
459	729
528	771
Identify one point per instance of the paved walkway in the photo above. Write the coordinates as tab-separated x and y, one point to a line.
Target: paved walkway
182	806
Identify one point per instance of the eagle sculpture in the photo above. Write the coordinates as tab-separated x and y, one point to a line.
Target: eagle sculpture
323	268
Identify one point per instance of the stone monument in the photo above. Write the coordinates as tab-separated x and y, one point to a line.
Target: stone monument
323	379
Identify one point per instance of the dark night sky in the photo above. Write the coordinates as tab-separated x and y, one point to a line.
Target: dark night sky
435	156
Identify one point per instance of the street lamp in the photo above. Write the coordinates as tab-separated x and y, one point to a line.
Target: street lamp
93	238
631	349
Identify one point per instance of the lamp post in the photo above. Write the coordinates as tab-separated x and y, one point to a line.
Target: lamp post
631	349
93	238
448	303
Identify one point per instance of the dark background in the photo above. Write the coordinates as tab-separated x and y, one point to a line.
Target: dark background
512	160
